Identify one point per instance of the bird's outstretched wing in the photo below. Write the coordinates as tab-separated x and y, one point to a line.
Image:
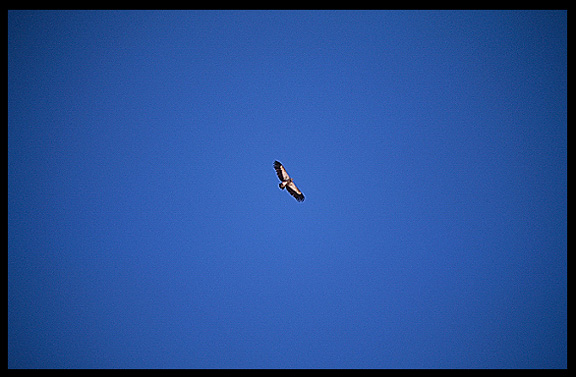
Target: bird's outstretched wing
295	192
280	171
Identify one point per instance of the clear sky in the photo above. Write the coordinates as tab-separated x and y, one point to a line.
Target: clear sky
146	227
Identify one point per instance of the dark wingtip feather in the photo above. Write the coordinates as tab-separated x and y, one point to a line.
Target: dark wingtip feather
300	197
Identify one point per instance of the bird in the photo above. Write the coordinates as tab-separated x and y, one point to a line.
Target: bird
287	182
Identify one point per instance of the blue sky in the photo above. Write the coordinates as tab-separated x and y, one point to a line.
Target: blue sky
146	228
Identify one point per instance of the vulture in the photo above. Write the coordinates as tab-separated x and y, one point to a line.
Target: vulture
287	182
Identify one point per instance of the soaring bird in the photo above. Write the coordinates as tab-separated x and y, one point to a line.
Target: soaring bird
287	182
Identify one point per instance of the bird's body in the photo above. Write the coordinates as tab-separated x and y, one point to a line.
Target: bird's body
283	184
287	182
